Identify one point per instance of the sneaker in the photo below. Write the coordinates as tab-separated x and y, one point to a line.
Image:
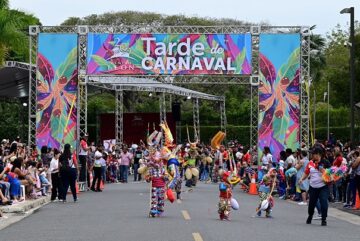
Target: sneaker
318	217
259	213
323	223
302	203
282	197
308	220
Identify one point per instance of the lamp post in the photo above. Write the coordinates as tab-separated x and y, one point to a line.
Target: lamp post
314	126
326	97
352	69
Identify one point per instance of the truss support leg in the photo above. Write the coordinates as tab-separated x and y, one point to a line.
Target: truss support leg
82	88
82	108
223	116
33	45
196	119
162	103
254	109
119	95
304	91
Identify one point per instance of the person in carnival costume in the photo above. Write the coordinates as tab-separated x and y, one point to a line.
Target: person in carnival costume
219	156
156	174
267	185
168	152
191	171
226	202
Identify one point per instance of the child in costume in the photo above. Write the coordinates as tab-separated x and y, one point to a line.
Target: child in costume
267	185
225	197
158	177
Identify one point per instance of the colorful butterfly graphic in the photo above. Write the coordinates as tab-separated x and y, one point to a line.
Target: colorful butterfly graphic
279	103
56	101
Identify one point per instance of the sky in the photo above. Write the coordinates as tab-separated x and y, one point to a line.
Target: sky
322	13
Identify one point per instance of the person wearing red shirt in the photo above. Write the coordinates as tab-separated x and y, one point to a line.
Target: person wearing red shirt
318	189
225	197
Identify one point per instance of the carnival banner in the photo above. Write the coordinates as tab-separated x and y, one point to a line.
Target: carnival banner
56	75
279	110
168	54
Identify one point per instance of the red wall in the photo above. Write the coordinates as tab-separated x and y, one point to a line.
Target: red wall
135	126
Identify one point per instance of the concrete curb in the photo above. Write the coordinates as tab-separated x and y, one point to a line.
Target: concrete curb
25	206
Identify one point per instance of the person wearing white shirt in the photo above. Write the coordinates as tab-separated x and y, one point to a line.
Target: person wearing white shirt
267	158
97	171
55	179
290	160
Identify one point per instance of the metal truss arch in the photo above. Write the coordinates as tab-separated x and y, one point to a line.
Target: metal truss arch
167	84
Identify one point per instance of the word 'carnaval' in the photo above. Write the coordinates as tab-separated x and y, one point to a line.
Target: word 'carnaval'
186	53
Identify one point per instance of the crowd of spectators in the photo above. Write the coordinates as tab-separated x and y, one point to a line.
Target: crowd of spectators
52	171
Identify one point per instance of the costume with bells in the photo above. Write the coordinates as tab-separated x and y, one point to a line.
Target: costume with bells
168	152
155	172
218	164
226	201
191	172
267	185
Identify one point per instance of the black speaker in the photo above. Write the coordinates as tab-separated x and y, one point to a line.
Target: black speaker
176	111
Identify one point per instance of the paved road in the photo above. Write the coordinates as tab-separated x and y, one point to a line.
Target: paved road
120	213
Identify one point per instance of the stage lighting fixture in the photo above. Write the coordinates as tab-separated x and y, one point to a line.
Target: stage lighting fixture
25	104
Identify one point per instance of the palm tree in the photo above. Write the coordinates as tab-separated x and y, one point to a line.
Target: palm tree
13	29
317	55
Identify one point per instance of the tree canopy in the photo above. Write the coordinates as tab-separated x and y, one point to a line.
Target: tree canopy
329	63
14	26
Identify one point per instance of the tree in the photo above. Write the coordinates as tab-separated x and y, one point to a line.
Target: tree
13	33
148	18
336	68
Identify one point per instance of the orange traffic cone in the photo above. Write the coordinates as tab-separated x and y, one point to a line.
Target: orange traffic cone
77	187
357	203
252	187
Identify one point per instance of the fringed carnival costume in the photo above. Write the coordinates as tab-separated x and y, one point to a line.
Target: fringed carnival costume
169	151
218	164
226	201
267	186
191	172
155	172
